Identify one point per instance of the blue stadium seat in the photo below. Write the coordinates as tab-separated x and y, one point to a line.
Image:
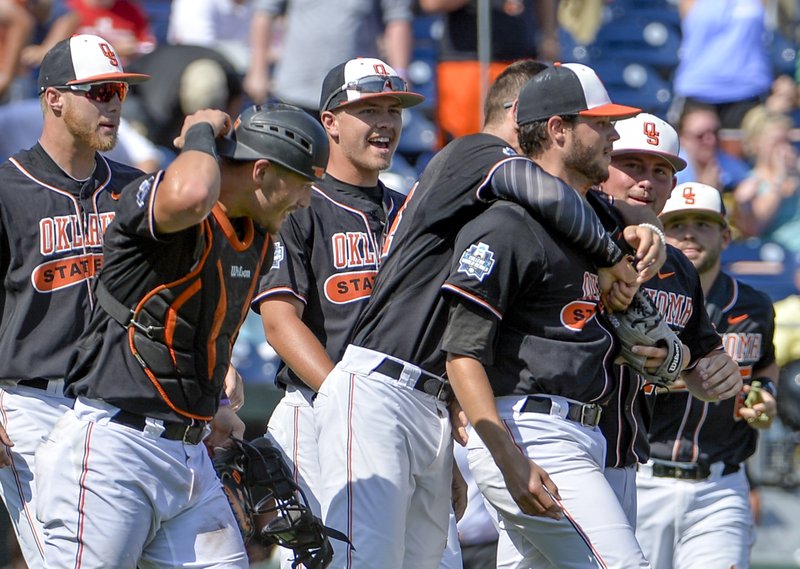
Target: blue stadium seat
765	265
634	84
641	40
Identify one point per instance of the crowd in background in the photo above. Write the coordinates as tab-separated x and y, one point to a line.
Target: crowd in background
726	71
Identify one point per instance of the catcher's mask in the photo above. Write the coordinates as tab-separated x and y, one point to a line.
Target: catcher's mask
270	506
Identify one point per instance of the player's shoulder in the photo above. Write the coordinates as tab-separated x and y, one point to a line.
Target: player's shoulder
508	221
471	153
751	295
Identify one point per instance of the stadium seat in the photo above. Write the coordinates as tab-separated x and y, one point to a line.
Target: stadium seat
634	84
765	265
638	39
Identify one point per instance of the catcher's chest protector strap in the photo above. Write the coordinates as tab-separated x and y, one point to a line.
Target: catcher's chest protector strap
161	336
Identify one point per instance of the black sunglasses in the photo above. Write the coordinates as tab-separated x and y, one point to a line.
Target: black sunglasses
100	92
371	84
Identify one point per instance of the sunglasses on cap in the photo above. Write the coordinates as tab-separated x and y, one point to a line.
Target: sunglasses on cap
374	84
100	92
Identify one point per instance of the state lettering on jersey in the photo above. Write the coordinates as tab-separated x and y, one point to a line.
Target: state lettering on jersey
676	309
353	249
277	256
65	272
65	234
477	261
576	314
343	288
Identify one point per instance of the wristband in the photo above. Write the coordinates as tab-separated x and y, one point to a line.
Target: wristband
657	231
201	137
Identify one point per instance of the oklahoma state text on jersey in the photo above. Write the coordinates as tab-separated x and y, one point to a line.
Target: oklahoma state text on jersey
51	238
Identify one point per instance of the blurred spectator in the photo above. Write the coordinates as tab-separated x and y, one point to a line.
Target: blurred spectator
724	57
21	124
16	25
519	29
768	201
123	23
783	97
318	36
219	24
698	128
184	79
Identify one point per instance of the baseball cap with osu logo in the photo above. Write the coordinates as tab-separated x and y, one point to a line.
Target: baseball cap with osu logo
694	197
364	78
648	134
83	59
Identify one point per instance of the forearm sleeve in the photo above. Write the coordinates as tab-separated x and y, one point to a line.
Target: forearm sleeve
520	180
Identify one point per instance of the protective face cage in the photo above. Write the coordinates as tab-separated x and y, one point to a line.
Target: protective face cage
270	506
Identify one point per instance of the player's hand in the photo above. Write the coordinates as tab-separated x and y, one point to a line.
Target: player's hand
651	252
656	355
715	377
531	487
459	492
226	424
257	86
622	273
619	297
760	415
5	459
234	388
458	423
219	121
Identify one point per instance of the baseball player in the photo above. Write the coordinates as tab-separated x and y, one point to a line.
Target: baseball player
56	200
328	255
129	483
693	503
642	174
381	413
517	292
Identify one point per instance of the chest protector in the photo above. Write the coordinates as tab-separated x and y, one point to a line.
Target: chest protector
182	332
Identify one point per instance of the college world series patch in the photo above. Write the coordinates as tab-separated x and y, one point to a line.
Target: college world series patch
477	261
277	255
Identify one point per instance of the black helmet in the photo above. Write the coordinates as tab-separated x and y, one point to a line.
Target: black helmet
282	133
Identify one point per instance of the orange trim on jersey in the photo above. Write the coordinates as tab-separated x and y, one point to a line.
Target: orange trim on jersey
472	297
216	325
277	291
227	228
172	316
387	242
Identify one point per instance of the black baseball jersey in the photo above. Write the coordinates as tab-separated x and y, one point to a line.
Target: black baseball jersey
406	314
544	295
677	293
327	256
687	429
228	255
51	237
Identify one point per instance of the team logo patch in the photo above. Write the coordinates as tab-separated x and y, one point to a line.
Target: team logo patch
477	261
577	314
508	151
277	256
144	191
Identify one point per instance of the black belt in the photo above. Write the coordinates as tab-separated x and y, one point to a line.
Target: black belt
688	471
427	382
190	433
587	414
34	383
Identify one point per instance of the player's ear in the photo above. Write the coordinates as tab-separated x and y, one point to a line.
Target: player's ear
726	237
54	100
260	171
330	123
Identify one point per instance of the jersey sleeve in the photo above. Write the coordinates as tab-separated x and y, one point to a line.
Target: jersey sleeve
494	260
290	271
135	210
560	207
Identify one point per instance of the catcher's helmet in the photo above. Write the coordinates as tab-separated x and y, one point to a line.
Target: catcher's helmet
281	133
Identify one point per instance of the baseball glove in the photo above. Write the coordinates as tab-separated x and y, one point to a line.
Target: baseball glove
641	324
270	506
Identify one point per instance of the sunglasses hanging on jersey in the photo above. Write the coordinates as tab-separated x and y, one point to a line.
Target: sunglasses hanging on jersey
372	84
100	92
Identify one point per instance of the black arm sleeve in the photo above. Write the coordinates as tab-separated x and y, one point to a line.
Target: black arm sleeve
471	331
550	199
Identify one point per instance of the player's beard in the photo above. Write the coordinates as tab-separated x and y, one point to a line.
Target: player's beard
86	133
585	161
